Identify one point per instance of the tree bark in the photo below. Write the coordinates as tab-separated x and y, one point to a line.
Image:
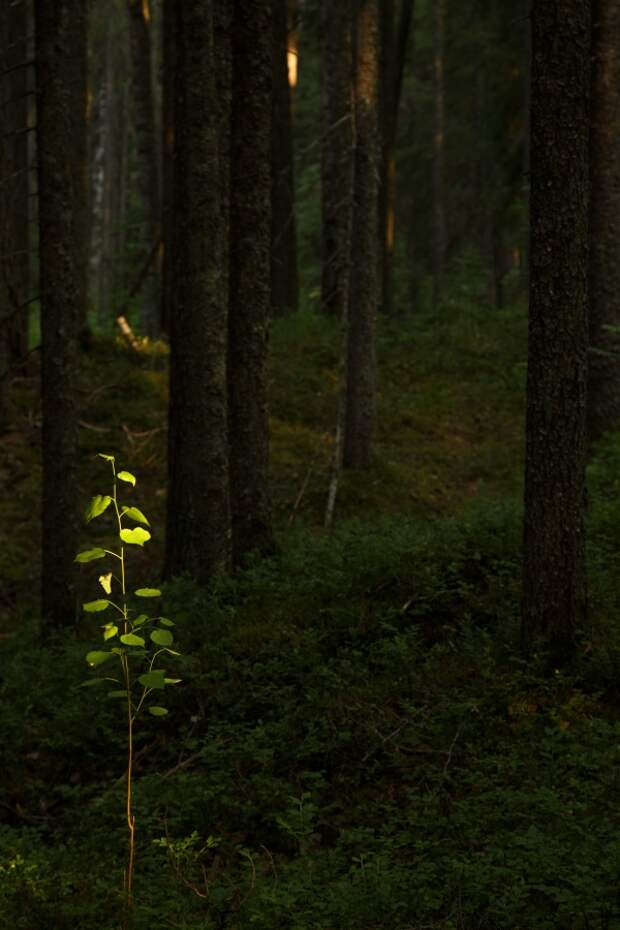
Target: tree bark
439	214
604	360
554	579
250	274
364	284
284	277
198	539
167	188
59	32
337	156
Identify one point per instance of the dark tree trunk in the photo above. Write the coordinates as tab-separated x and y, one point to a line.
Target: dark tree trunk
5	301
439	212
59	32
198	517
364	284
337	155
145	133
250	273
284	278
77	65
604	361
394	45
167	187
554	581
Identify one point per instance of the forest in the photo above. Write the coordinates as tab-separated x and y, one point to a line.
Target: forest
310	465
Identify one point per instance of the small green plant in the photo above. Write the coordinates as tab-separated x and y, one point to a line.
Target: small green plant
137	641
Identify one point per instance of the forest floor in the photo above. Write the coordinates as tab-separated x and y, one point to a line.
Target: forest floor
356	744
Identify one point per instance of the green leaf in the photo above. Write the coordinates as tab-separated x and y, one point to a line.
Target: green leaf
172	652
109	630
97	657
93	607
162	637
134	514
153	679
165	622
130	639
135	537
173	681
126	476
148	592
140	619
96	681
97	506
108	458
158	711
117	694
89	555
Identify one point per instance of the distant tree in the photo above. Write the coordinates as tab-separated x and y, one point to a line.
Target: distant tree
5	301
59	29
250	274
364	280
439	211
284	277
167	184
337	155
604	363
198	538
554	577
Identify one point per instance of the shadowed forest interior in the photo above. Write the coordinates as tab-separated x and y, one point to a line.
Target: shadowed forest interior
309	464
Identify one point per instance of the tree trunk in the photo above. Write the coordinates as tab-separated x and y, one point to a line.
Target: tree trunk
364	284
394	45
284	278
554	581
604	361
59	32
146	136
77	65
250	272
198	514
167	187
337	156
439	219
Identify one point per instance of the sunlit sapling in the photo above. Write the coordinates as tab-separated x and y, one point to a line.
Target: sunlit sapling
137	641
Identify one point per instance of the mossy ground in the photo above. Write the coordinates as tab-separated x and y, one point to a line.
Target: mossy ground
357	744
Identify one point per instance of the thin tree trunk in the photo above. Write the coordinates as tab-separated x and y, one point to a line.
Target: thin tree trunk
284	277
364	284
337	156
167	190
439	219
250	273
198	534
554	579
604	361
59	32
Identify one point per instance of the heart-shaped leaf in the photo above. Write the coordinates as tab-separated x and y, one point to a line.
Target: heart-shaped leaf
97	657
97	506
140	619
93	607
158	711
153	679
135	537
148	592
134	514
165	622
130	639
89	555
106	582
127	476
109	630
162	637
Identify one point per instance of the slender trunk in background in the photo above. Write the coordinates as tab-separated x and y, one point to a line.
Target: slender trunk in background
140	27
167	187
439	219
59	32
364	283
198	513
554	577
77	66
337	155
527	92
250	275
5	167
604	362
284	277
394	45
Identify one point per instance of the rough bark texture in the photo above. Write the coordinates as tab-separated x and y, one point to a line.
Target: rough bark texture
337	155
198	535
284	277
58	34
554	583
364	284
145	130
167	187
604	369
439	214
250	297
